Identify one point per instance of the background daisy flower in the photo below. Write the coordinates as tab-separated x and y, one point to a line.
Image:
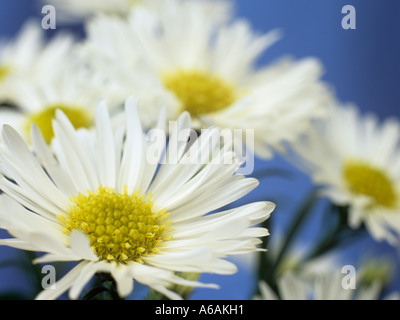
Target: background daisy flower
96	198
318	286
206	66
72	88
356	160
29	59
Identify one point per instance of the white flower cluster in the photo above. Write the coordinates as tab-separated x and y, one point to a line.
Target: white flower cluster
90	171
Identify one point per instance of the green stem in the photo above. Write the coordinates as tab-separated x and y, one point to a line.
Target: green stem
264	262
104	283
94	292
155	295
293	230
270	274
341	232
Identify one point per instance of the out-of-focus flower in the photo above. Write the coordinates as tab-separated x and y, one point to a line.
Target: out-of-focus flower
319	286
356	160
200	63
28	60
72	88
376	269
95	197
74	11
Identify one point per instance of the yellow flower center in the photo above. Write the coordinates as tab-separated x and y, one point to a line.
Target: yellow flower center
200	92
4	71
364	179
43	119
134	3
121	227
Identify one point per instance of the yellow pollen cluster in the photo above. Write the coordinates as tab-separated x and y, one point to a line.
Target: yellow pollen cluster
43	119
364	179
200	92
121	227
134	3
4	71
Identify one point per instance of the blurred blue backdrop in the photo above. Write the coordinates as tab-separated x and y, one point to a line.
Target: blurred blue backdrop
361	65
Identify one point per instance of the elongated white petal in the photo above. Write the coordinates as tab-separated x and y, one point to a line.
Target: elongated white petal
123	278
106	152
48	161
157	146
63	129
62	285
85	275
29	167
133	154
18	244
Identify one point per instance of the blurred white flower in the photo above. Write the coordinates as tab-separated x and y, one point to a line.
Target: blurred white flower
356	160
72	88
318	286
29	59
56	78
197	61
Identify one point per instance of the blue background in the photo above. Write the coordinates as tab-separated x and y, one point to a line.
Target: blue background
361	65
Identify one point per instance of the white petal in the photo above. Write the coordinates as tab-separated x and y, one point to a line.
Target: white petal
19	244
157	134
292	288
80	245
86	273
176	147
215	198
52	166
133	154
123	278
266	292
75	156
105	148
62	285
23	162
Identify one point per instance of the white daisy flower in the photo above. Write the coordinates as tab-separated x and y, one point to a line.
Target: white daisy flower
72	88
357	162
94	197
319	286
207	67
29	59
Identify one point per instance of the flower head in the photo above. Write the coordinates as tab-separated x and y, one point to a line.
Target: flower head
355	159
72	89
101	197
29	59
327	285
68	85
213	75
